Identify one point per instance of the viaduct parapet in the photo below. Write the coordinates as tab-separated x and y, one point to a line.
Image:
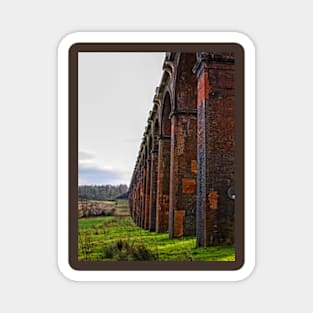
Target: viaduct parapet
183	180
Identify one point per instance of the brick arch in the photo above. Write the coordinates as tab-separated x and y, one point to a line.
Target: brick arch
155	132
148	179
149	143
185	83
163	183
165	111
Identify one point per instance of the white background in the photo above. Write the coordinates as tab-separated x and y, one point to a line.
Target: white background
30	33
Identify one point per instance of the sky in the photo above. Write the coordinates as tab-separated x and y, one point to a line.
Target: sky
115	95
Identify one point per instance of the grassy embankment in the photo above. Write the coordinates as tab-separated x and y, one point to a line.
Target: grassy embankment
115	238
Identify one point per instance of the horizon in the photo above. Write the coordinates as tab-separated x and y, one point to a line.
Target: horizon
100	185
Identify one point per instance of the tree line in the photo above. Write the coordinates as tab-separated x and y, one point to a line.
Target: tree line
102	192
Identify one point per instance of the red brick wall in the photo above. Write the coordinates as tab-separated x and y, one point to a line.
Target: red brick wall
163	187
183	151
216	146
184	186
147	194
153	190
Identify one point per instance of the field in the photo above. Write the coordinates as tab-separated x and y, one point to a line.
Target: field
117	238
90	208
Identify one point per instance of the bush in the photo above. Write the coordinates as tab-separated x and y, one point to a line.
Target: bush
109	252
122	250
141	253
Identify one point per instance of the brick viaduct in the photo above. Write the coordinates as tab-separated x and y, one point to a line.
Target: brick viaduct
183	180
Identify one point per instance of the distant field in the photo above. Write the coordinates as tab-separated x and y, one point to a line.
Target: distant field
122	208
91	208
117	238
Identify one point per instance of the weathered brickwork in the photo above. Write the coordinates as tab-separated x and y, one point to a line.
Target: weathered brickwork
216	147
142	194
183	148
153	189
182	178
147	195
163	187
183	181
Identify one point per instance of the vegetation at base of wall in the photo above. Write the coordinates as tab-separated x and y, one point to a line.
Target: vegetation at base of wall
117	238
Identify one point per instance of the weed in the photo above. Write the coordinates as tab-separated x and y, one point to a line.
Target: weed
85	244
117	238
109	252
123	250
142	253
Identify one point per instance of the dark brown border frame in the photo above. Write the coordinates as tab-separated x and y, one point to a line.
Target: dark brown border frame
73	156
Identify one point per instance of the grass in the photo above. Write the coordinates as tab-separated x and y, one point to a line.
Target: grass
114	238
120	206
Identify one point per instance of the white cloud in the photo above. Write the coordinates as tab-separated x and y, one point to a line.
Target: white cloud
115	95
92	174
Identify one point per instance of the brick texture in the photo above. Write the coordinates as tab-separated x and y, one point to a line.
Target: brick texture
185	170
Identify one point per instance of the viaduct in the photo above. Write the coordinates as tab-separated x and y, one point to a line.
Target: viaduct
183	180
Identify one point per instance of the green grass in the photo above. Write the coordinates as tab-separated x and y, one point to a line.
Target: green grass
99	235
120	206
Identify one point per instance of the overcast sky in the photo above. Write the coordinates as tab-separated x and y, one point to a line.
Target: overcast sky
115	95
